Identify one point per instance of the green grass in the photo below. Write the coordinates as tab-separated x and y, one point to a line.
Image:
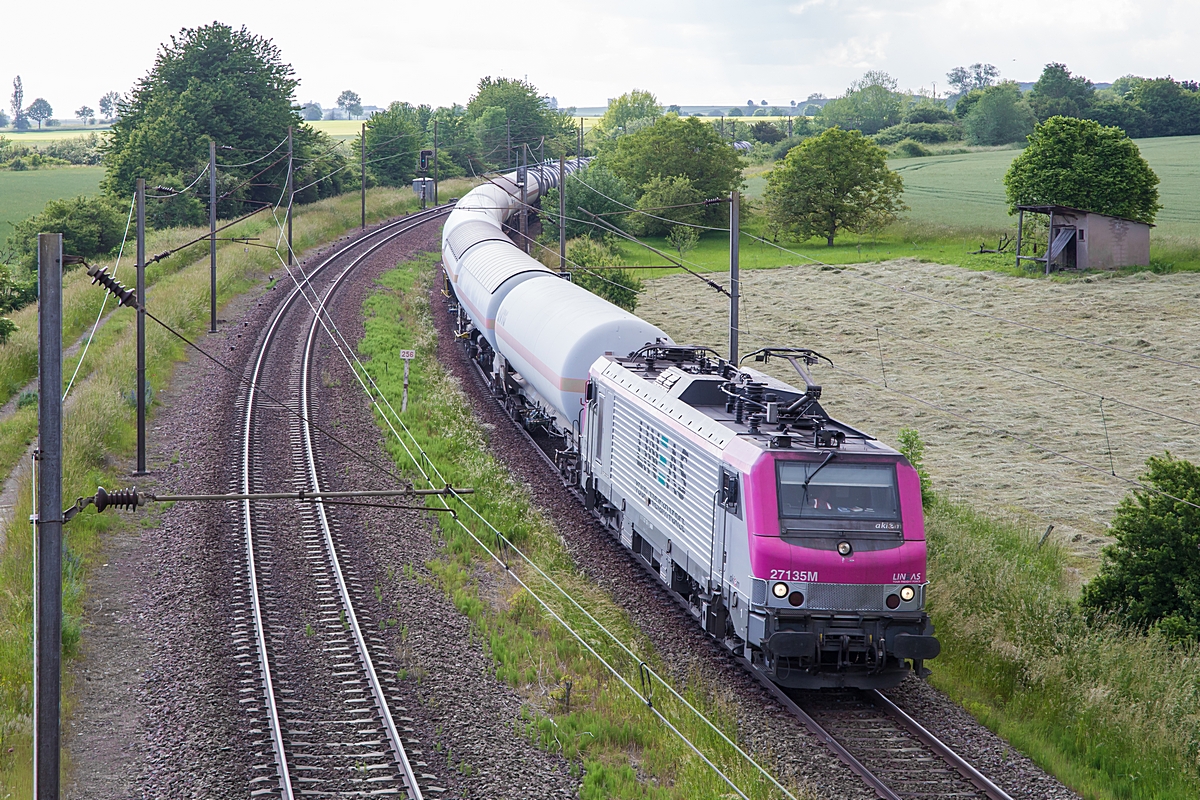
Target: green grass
23	194
51	134
98	431
624	751
343	129
1111	712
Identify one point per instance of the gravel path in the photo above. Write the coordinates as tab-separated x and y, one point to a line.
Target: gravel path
156	703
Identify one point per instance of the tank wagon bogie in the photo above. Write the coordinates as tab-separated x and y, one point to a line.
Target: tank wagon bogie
796	540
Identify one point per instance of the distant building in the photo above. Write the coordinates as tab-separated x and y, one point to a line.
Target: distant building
1087	240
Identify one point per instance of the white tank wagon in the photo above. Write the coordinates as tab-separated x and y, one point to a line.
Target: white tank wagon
488	272
552	331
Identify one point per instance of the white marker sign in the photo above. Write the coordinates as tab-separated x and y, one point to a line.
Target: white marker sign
407	354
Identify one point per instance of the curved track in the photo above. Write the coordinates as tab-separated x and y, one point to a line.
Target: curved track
885	747
328	729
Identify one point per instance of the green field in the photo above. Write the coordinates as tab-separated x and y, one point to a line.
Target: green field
24	193
50	134
967	190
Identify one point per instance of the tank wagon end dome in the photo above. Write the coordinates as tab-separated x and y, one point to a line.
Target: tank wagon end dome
552	331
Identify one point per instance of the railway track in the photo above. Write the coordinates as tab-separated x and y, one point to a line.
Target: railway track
318	684
885	747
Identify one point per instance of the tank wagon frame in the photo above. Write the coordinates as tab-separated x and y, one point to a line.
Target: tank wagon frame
794	539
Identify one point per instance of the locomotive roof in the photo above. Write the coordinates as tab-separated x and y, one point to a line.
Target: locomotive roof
696	399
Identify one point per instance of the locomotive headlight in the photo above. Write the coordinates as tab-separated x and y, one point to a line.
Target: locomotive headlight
907	593
780	590
844	549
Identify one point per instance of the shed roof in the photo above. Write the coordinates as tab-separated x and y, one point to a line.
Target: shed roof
1050	208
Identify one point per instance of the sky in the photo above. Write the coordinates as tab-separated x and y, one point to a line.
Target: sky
689	52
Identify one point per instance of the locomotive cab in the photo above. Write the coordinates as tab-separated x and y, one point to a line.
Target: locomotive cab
837	550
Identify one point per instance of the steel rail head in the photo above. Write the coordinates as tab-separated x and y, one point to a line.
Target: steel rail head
285	782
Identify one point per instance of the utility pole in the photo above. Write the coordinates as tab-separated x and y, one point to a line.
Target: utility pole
562	214
141	327
435	169
523	177
47	597
212	236
362	172
290	186
508	138
735	281
579	153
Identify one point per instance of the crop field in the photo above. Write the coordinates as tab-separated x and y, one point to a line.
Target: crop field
24	193
898	354
967	190
51	134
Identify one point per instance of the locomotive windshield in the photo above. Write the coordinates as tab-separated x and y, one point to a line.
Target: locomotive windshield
808	490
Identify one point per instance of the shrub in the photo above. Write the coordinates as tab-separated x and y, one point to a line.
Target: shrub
926	133
1151	574
592	261
91	226
910	149
928	113
27	398
912	447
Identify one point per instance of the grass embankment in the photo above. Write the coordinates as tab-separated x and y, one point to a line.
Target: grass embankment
98	429
624	751
1112	712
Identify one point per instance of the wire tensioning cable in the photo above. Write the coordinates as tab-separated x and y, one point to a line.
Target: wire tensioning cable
282	142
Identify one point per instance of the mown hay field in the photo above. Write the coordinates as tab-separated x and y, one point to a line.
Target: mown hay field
971	366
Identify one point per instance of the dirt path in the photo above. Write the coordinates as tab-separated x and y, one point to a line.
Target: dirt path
874	331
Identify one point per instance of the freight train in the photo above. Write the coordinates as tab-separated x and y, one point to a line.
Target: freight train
796	540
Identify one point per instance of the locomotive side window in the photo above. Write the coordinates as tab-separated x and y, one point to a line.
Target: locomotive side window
838	491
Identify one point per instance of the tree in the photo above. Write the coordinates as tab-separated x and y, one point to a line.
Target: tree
928	112
217	82
1151	574
1169	108
456	141
91	226
674	109
40	110
735	112
632	106
1058	93
526	114
869	105
3	118
976	76
312	112
18	102
1080	163
684	239
673	147
999	115
592	261
671	200
767	132
108	105
394	138
351	103
84	113
595	189
838	180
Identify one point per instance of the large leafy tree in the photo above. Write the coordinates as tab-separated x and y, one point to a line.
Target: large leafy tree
394	139
1151	574
637	106
869	105
1059	93
838	180
666	201
999	115
678	147
976	76
594	189
40	110
215	82
1083	164
525	118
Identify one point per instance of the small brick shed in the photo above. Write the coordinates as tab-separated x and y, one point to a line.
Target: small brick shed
1082	239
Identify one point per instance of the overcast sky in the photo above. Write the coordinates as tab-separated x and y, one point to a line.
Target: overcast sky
697	52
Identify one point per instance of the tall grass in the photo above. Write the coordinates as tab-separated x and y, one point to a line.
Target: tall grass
98	432
624	751
1114	713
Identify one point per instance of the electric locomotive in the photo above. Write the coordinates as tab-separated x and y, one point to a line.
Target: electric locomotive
795	539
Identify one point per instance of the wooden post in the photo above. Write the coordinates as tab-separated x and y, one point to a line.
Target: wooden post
1020	230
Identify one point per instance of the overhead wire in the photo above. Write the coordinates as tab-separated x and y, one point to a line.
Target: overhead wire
282	142
342	345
